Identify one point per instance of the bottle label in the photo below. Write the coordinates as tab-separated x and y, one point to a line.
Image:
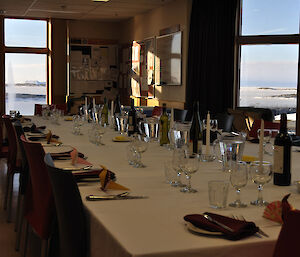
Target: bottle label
278	159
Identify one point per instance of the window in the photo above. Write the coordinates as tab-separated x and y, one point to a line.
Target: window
26	73
268	55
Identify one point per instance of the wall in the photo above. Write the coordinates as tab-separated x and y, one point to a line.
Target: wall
93	29
148	25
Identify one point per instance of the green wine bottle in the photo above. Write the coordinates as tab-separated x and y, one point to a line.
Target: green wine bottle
164	127
104	114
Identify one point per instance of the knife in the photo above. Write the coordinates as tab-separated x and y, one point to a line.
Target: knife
113	197
217	222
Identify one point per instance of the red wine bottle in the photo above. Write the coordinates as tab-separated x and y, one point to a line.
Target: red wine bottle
196	132
282	155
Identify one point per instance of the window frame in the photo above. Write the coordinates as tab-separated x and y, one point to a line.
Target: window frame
33	50
241	40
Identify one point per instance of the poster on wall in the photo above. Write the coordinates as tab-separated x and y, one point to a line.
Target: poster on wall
168	59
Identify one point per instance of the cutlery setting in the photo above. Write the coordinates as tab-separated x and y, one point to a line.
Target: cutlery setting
122	196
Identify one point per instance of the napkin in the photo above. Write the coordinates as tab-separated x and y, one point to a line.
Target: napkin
51	138
106	180
288	240
74	156
241	228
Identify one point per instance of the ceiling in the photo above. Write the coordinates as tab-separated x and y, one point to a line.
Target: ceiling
114	10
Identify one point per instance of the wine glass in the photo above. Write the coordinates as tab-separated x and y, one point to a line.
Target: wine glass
178	162
189	167
238	179
140	145
261	173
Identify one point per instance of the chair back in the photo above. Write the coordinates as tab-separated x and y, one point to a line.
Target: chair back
12	143
38	109
39	202
24	175
179	115
225	121
69	209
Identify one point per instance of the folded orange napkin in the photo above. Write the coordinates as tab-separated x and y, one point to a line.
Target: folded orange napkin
106	181
240	228
49	138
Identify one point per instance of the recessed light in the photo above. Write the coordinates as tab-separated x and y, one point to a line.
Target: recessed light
100	0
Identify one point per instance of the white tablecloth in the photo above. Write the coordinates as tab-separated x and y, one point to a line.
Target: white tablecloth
155	226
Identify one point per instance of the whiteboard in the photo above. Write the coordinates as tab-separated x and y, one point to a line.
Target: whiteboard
168	60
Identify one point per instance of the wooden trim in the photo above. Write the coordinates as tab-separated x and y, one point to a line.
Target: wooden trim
26	18
272	39
26	50
298	92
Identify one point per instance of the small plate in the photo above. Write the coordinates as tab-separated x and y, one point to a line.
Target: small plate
57	149
201	231
121	139
67	165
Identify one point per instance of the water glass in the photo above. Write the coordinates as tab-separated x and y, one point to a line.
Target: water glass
238	179
218	193
261	173
178	161
170	174
140	145
121	123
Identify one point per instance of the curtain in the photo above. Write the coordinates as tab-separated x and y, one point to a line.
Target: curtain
210	72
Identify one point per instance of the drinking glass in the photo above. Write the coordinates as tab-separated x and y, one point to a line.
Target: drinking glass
238	179
213	124
140	145
189	167
266	140
178	161
261	173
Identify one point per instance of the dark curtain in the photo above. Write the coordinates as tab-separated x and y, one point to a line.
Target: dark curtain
210	73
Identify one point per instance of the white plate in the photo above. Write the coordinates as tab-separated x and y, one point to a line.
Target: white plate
67	165
57	149
201	231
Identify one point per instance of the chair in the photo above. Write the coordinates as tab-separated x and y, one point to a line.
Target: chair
13	163
70	214
179	115
38	109
23	181
3	148
225	121
39	210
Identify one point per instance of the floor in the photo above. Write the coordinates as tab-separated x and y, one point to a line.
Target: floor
7	233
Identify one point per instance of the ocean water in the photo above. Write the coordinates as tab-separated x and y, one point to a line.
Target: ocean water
273	98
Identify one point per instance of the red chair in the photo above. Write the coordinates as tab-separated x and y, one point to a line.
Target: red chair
14	165
39	202
3	148
268	125
157	111
38	109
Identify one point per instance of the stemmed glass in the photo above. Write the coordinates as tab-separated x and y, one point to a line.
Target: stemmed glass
178	161
140	145
261	173
190	166
238	179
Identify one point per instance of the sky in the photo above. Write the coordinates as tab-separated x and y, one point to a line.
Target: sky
272	65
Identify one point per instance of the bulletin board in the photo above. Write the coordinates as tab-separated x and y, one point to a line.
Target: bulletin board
93	68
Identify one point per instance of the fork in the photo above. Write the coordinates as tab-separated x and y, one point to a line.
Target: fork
259	233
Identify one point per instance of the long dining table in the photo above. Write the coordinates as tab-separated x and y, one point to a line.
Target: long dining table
154	227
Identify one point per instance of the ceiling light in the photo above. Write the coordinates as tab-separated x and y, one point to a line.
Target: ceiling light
100	0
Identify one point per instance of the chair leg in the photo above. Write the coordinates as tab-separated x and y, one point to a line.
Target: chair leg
18	210
9	203
20	223
6	190
44	248
26	239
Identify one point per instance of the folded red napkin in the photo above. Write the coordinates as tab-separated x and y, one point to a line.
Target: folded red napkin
287	244
241	228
